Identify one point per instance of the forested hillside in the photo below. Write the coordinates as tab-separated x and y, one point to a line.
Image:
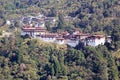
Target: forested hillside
32	59
22	59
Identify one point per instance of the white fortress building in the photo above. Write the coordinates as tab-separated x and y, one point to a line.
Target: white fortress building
95	40
63	37
32	31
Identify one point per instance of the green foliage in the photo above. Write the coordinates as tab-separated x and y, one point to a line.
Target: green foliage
61	23
113	72
47	24
74	56
53	12
42	61
39	60
116	34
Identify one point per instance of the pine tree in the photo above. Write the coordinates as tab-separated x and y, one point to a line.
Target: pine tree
61	23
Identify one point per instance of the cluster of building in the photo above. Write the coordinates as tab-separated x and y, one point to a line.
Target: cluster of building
34	26
37	20
71	39
33	20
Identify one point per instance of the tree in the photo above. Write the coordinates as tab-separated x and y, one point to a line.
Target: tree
17	24
116	34
61	62
52	70
56	66
113	71
53	12
47	24
61	23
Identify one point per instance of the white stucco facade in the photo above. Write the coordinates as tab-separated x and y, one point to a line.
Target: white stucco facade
72	43
48	39
95	42
60	41
64	38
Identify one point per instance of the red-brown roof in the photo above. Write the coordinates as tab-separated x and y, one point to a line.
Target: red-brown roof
60	38
95	37
64	33
34	29
81	34
76	29
49	35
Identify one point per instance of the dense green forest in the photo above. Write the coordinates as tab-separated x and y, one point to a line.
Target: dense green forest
31	59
